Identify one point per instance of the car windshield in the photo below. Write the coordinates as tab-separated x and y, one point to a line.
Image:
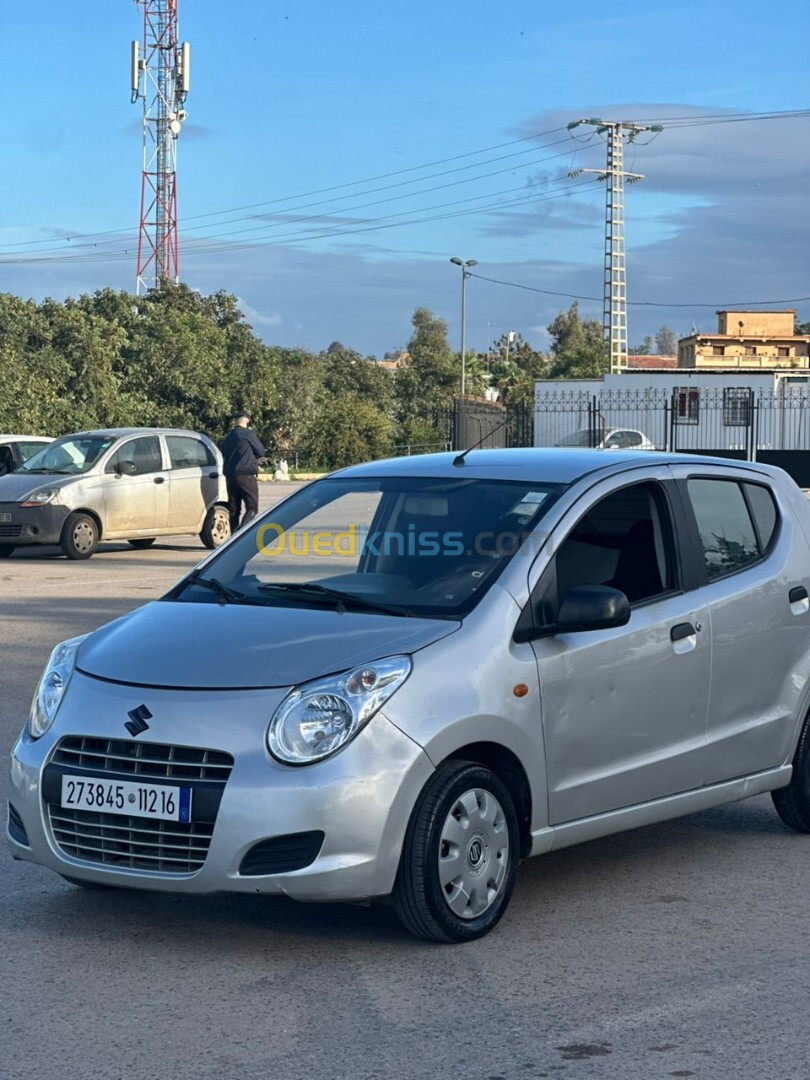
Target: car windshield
579	438
71	455
421	546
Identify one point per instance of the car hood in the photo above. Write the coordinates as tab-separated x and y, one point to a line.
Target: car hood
234	646
16	486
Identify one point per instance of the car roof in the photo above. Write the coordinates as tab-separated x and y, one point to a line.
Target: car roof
26	438
551	465
118	433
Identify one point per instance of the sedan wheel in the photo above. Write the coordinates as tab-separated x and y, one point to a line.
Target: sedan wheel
459	859
79	536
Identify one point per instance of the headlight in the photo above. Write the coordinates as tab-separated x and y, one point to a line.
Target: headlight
52	686
320	717
39	498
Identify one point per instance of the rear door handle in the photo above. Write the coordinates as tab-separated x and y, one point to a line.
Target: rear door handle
159	479
213	476
795	596
681	631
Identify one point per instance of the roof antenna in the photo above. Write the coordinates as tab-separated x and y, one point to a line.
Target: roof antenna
459	458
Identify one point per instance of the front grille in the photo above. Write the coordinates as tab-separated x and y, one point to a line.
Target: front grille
10	532
156	760
136	843
133	843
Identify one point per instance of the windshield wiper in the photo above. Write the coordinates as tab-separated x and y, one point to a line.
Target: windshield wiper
226	595
312	590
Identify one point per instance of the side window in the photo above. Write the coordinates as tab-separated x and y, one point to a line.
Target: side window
28	449
763	510
138	457
625	541
726	529
186	452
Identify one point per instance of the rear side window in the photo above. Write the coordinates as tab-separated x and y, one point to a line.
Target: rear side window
28	449
188	453
763	509
730	541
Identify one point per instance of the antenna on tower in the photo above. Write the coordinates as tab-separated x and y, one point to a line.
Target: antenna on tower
614	314
159	76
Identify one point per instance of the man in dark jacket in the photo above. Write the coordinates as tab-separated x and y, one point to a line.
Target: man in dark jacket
241	451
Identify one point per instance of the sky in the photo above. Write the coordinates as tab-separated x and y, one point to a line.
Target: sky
337	155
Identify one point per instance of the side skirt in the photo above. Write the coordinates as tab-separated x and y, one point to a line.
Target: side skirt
554	837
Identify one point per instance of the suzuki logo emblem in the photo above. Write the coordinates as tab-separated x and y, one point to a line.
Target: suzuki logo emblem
137	724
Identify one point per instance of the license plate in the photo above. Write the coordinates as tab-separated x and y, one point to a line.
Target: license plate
127	797
5	518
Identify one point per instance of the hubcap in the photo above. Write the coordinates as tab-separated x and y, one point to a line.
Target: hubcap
84	537
221	527
473	853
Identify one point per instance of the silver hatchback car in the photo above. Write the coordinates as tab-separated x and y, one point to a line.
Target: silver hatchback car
412	674
131	484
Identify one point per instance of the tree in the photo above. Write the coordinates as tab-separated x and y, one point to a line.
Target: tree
666	343
644	349
427	384
348	430
577	346
801	329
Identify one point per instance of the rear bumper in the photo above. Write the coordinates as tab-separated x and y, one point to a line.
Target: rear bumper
31	524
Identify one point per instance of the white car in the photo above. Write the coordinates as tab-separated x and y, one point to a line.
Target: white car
609	439
16	449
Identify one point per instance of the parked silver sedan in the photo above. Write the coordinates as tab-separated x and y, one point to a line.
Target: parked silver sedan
413	674
131	484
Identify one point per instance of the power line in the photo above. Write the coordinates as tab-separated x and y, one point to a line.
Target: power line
742	304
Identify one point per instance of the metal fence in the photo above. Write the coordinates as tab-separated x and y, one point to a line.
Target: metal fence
772	426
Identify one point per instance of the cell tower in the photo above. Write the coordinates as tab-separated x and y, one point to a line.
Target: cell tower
614	315
160	78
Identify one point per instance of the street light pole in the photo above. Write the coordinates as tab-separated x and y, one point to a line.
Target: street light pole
465	273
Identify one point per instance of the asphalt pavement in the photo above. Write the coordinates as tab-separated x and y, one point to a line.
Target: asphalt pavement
677	950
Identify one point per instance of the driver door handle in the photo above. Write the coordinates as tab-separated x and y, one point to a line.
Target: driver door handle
682	630
160	479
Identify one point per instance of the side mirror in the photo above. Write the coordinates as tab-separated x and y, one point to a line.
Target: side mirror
592	607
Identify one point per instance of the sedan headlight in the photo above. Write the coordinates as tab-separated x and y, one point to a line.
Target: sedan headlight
41	497
52	686
318	718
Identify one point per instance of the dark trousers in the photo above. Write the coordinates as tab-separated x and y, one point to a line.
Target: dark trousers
242	488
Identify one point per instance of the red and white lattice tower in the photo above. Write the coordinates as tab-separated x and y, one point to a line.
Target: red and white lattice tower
160	78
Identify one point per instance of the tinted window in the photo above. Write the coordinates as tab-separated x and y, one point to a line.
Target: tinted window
138	456
764	510
726	529
622	542
28	449
187	453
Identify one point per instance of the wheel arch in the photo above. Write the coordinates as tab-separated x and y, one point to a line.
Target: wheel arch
94	514
508	768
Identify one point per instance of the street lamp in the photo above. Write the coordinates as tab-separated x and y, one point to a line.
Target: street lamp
465	273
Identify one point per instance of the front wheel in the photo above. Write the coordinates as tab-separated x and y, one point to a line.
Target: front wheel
459	860
79	537
6	550
793	802
216	527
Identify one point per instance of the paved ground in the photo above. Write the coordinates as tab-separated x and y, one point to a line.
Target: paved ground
677	950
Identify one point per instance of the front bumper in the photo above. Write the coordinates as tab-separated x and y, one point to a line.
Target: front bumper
361	799
32	524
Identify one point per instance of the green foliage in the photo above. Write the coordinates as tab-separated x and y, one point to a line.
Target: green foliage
428	383
349	430
577	347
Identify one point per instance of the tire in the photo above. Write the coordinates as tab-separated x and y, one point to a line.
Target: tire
142	542
79	537
433	901
6	550
216	527
793	802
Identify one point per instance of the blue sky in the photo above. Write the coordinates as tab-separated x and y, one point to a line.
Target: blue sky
290	98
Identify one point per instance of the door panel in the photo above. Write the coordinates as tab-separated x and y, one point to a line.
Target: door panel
136	497
623	710
193	482
760	639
